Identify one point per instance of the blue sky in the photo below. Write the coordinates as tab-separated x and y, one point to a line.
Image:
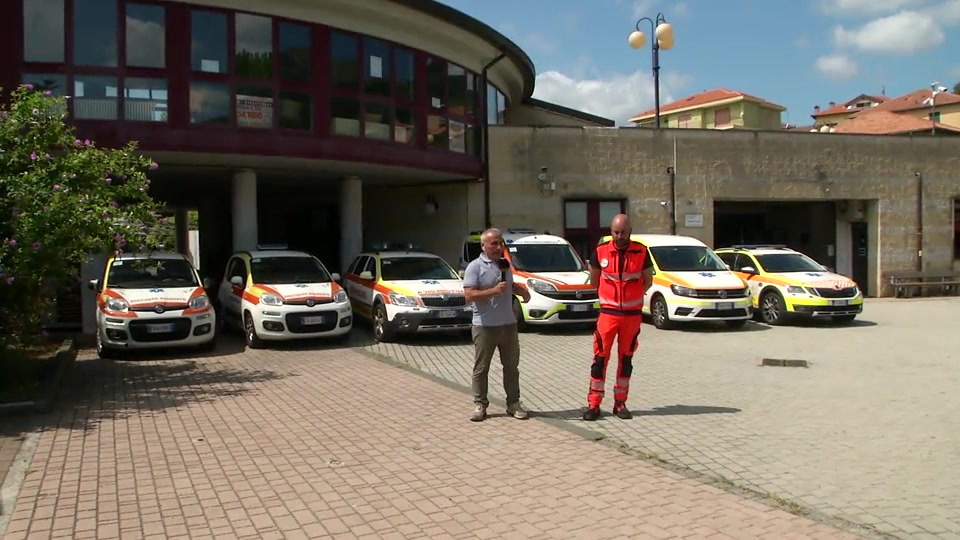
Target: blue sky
798	53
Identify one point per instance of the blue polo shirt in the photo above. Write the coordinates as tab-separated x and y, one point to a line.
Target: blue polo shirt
483	273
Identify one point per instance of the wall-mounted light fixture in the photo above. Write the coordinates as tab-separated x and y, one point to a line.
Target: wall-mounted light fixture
546	184
430	205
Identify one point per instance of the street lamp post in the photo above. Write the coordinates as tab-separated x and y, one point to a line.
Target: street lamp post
662	33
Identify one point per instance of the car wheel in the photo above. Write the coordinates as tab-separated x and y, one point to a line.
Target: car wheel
381	326
739	323
522	325
771	308
250	332
660	313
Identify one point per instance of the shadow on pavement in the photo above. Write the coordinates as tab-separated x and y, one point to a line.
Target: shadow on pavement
669	410
827	324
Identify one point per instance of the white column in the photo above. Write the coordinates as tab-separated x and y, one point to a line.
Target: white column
244	210
351	220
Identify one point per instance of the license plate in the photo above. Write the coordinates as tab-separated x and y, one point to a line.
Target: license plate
579	307
160	328
724	305
448	314
839	302
307	321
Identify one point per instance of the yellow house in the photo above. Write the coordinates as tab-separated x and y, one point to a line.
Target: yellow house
941	111
715	109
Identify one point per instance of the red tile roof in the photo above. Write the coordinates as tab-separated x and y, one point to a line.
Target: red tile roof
704	98
906	102
844	107
879	122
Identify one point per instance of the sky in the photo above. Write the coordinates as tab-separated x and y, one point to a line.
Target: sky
797	53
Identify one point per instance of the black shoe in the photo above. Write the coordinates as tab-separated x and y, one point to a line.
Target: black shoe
591	414
620	409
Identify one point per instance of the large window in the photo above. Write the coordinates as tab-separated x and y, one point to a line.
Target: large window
452	108
146	36
956	229
95	33
44	31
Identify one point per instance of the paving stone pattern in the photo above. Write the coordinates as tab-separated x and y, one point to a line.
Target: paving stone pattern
868	433
330	443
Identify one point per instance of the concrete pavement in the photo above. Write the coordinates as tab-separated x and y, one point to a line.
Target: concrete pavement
319	444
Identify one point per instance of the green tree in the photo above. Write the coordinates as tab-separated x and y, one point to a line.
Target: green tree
62	199
956	88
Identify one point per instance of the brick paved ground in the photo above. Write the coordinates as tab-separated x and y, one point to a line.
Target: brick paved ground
301	443
866	434
9	446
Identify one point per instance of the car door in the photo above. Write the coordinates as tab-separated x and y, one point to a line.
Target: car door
746	260
233	295
368	276
350	281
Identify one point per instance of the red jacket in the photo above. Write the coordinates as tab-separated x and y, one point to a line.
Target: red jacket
621	278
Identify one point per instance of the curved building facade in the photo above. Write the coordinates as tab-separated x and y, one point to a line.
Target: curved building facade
272	117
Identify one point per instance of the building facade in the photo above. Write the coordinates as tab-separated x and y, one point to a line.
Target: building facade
715	109
330	124
924	111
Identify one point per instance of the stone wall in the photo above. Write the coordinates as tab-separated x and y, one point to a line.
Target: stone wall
733	165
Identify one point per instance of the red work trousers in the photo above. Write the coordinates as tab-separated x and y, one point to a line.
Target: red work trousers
625	330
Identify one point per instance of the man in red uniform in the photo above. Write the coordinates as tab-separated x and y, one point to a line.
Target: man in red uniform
622	272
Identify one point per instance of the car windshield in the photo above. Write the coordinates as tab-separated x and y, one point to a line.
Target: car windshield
404	268
149	273
283	270
544	258
778	263
473	250
687	259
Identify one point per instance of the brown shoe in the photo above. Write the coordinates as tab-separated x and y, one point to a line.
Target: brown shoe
620	409
591	414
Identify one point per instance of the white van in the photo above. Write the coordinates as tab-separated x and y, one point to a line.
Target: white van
549	267
691	283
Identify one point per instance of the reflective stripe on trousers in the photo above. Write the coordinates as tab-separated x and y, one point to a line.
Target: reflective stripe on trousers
625	330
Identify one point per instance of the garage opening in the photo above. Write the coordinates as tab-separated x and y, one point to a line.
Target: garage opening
808	227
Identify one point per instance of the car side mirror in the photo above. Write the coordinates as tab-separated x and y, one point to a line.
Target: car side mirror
748	270
366	275
236	280
208	283
93	284
461	273
335	276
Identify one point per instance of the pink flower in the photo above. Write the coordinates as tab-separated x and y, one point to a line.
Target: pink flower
77	142
28	86
9	280
154	166
56	187
108	180
35	245
12	242
33	155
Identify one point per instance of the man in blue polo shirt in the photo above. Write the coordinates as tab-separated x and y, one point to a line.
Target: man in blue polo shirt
488	285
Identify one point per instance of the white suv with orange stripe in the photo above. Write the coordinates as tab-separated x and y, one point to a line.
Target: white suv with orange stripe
405	292
280	294
151	300
557	278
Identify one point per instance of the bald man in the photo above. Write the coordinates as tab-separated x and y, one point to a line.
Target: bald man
488	285
622	272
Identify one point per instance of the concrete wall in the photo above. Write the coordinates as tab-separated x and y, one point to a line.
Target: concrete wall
731	165
398	214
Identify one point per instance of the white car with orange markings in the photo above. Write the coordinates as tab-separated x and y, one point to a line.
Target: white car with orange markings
151	300
405	292
786	284
553	272
276	295
691	283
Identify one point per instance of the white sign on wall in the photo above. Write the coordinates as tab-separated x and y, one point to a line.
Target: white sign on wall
694	221
254	111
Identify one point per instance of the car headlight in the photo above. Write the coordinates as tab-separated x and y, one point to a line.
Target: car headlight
271	300
540	285
402	299
117	304
199	302
683	291
793	289
340	296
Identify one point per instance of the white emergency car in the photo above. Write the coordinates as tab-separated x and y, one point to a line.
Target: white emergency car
151	300
553	272
405	290
691	283
280	294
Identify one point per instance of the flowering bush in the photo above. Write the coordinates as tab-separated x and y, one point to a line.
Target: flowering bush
62	199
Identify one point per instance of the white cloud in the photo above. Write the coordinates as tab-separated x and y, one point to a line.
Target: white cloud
868	7
837	66
907	32
617	98
947	13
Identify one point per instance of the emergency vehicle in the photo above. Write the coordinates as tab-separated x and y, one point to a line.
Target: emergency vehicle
691	283
275	294
400	289
553	272
786	284
151	300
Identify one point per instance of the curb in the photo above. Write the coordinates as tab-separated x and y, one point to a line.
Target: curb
46	399
769	499
18	470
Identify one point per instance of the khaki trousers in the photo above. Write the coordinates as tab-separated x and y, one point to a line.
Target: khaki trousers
486	340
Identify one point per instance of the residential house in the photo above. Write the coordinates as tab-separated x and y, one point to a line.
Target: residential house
916	112
715	109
